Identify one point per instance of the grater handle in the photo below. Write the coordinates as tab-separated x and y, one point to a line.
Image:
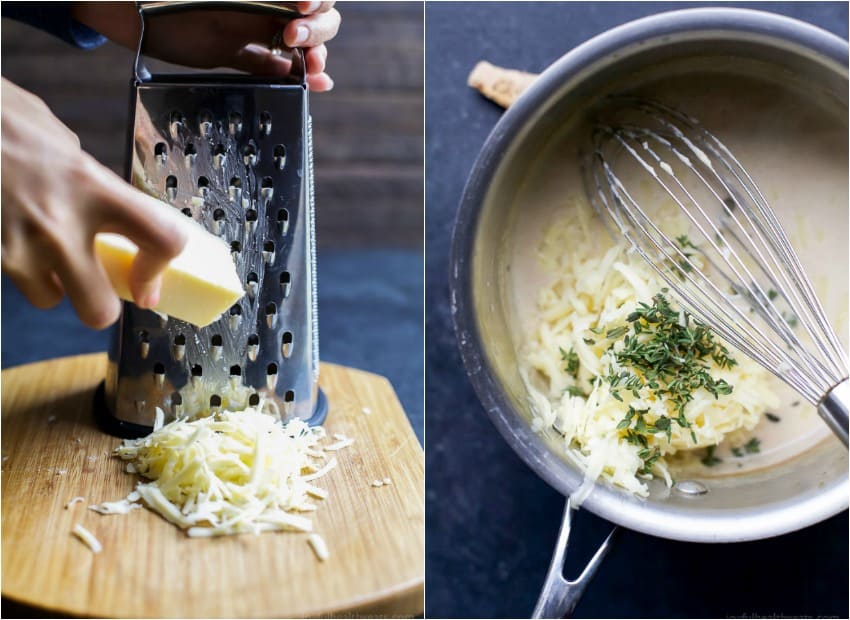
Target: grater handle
152	9
285	9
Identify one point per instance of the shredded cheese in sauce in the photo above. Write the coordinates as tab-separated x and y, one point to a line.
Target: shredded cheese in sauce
595	282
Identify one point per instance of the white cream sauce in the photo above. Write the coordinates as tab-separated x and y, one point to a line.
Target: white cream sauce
795	149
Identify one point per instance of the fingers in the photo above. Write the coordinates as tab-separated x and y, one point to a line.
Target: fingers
153	227
320	83
89	290
309	8
315	59
41	288
313	30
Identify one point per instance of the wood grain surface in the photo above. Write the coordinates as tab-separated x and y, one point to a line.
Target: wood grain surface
368	131
150	568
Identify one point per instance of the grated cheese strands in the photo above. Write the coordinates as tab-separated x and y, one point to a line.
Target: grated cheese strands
228	473
88	538
595	283
320	548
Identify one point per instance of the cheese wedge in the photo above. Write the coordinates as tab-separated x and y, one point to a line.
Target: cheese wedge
198	285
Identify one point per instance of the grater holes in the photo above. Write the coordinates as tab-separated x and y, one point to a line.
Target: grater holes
160	152
215	401
253	347
176	404
171	187
267	188
265	123
144	344
279	155
219	155
285	283
218	221
252	283
271	376
235	317
254	400
271	314
205	123
234	123
283	220
159	375
234	189
268	251
288	401
251	219
178	347
203	186
197	370
235	248
189	154
216	343
186	211
176	122
286	344
236	370
249	154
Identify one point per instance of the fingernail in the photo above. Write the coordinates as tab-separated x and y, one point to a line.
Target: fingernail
301	35
330	83
309	7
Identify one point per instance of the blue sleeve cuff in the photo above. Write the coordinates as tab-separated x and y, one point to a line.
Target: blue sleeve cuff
54	18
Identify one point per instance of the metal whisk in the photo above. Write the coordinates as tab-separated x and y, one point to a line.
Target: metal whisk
735	269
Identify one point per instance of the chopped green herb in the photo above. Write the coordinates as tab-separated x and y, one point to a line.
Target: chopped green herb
796	403
571	358
790	319
753	446
575	391
589	341
771	294
617	332
709	460
737	452
668	358
772	417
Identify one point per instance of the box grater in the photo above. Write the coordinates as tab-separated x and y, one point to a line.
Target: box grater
233	152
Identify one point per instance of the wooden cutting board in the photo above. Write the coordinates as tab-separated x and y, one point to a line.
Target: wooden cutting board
148	567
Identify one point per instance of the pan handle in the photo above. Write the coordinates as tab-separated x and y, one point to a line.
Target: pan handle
560	596
287	10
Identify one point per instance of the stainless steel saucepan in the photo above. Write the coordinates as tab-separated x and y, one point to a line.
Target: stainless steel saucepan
807	486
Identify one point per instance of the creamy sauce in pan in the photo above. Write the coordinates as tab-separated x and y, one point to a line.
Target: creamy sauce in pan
795	149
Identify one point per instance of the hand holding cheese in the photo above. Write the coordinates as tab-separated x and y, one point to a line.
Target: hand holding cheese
197	285
55	199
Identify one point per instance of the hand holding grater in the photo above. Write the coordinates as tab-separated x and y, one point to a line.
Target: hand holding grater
233	152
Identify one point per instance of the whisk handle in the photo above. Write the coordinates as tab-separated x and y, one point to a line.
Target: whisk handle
833	409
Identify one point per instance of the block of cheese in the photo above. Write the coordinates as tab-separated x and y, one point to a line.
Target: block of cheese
197	286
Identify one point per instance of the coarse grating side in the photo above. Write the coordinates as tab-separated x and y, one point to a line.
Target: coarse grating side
235	154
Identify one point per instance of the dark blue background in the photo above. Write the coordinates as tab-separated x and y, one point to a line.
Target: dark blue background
370	317
491	522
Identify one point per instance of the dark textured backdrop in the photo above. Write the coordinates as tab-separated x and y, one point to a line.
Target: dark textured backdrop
491	522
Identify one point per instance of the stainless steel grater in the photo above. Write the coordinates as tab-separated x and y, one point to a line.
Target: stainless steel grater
233	152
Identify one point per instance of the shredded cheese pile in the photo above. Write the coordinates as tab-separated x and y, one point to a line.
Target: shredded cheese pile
228	473
596	283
